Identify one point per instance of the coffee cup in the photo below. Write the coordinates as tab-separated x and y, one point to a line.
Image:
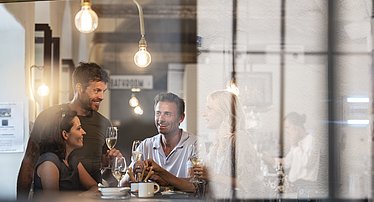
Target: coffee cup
134	187
148	189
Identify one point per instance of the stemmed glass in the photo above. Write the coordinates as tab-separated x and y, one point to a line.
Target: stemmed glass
118	168
111	136
197	161
136	155
110	140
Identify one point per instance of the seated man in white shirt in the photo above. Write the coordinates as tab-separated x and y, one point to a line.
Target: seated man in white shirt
169	151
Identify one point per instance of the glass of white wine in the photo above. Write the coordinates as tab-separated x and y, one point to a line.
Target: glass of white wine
196	161
111	136
136	154
118	168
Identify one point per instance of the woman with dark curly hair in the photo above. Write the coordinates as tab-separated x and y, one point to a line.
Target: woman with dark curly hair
302	160
55	170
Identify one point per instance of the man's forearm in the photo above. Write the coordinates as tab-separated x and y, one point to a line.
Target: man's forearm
24	179
179	183
25	175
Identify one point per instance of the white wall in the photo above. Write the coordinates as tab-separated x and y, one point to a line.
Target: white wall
12	76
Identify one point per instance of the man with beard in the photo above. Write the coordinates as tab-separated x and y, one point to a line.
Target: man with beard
169	151
89	83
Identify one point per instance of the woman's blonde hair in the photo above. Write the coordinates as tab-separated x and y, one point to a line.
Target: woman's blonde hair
228	103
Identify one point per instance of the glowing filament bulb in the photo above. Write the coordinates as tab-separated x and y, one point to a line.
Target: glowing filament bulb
142	58
43	90
133	102
138	110
86	19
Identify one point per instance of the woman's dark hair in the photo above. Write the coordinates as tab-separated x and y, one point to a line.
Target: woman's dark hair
171	97
86	72
296	118
52	140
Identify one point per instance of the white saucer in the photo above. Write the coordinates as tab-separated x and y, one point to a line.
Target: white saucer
114	191
116	197
169	192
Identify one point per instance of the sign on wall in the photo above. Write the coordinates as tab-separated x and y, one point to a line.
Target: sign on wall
11	127
131	81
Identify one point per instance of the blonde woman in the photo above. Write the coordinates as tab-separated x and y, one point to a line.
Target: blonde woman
223	111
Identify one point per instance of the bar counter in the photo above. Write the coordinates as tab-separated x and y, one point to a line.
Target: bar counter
96	197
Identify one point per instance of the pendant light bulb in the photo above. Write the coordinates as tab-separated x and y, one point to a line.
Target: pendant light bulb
133	102
142	58
138	110
43	90
86	19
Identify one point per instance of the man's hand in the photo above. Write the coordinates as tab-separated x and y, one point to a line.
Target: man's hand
158	170
113	153
165	178
159	180
110	154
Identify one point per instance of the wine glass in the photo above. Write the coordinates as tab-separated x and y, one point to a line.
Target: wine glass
118	168
197	161
111	136
136	155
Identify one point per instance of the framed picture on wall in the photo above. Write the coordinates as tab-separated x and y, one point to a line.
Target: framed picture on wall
255	89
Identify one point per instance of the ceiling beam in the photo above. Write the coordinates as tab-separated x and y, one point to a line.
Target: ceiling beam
118	37
149	11
15	1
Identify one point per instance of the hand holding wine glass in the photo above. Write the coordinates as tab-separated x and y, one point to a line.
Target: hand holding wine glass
198	167
118	168
199	172
111	136
197	163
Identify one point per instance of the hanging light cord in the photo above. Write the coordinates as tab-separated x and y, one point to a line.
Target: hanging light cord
141	18
31	86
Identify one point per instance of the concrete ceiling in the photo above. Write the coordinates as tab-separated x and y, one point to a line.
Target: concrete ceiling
170	31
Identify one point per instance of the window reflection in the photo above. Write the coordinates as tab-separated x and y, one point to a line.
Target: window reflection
172	28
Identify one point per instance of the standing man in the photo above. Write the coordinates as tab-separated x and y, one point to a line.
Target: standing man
89	83
169	151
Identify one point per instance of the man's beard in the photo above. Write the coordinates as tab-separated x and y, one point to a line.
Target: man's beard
86	104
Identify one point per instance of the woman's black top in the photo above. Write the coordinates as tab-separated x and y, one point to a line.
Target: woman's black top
69	175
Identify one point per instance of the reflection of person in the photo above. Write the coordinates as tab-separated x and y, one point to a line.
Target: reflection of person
55	169
220	119
169	151
89	83
302	151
